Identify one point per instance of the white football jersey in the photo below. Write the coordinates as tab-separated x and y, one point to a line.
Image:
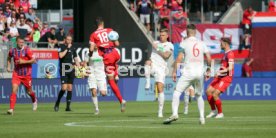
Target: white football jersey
194	50
162	47
96	63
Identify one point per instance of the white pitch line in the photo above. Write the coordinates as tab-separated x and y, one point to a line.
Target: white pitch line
76	124
94	124
226	119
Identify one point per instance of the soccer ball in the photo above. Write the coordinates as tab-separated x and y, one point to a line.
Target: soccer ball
78	72
113	36
81	72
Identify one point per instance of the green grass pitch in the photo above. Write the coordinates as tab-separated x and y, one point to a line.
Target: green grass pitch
253	119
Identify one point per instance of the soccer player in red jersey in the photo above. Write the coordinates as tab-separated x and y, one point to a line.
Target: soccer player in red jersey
23	60
111	56
222	80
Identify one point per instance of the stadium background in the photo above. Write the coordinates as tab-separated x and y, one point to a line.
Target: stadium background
135	49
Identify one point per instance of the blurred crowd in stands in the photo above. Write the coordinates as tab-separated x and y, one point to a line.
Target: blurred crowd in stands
246	23
18	18
163	10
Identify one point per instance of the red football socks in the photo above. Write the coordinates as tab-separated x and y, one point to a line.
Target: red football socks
12	100
32	95
211	102
219	105
115	89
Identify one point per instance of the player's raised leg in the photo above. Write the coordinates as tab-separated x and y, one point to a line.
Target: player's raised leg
111	81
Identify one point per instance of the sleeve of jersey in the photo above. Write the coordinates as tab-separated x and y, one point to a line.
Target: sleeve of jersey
231	57
61	48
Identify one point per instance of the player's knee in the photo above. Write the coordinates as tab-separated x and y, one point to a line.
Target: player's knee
94	94
209	92
69	89
215	95
103	93
64	87
148	62
160	89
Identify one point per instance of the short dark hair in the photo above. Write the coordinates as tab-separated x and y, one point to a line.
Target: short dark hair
164	30
226	40
191	26
52	28
19	38
69	36
99	20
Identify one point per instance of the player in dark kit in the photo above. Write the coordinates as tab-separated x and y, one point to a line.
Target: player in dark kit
111	56
67	54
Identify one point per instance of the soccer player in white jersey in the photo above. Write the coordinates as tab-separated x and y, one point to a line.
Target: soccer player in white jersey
97	77
193	51
157	66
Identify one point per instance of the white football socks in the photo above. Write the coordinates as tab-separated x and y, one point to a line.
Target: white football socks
147	76
161	100
175	102
200	104
186	101
95	102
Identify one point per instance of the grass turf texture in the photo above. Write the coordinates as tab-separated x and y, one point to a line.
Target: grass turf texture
242	119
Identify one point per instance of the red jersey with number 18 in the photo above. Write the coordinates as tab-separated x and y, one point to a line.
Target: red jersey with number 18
100	38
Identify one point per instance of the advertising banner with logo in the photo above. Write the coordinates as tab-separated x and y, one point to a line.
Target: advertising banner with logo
210	34
47	63
133	55
133	89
